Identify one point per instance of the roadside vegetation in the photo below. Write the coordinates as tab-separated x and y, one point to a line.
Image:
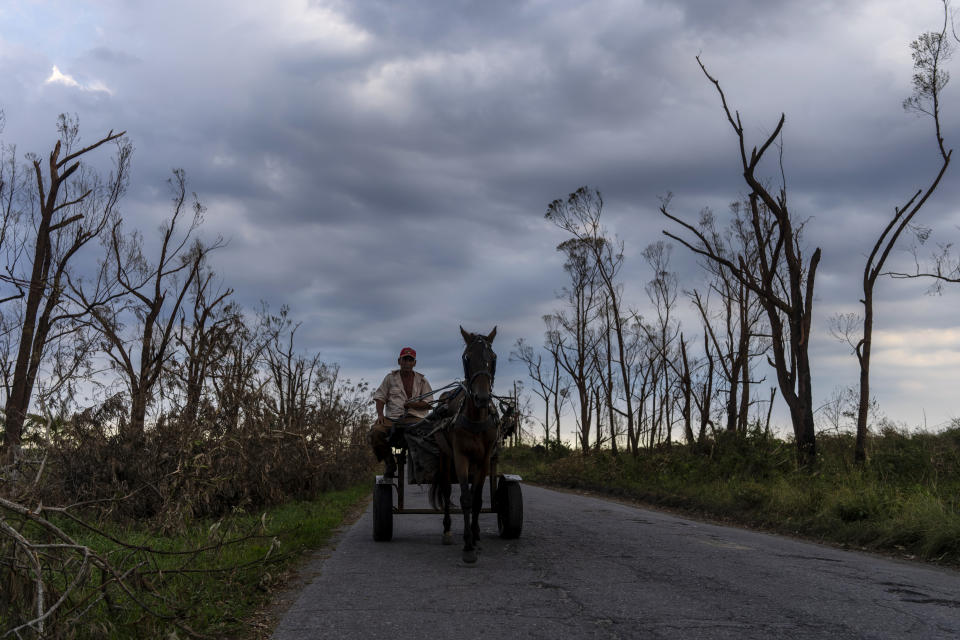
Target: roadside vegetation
165	452
206	578
905	500
169	539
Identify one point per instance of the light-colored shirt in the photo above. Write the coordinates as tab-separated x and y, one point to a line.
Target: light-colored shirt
393	396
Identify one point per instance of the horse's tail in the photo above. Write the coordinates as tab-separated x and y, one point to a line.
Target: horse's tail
438	489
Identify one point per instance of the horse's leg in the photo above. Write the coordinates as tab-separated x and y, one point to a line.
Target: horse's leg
446	488
483	469
477	490
462	464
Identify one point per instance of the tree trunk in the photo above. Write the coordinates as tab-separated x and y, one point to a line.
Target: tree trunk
863	356
744	418
687	385
138	414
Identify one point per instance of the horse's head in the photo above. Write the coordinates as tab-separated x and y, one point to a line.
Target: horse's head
479	367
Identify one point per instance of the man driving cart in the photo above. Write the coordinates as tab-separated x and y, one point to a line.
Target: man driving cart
395	407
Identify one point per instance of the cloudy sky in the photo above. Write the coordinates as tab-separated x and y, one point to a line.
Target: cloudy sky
383	166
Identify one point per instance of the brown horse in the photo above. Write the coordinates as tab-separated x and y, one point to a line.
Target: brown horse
470	441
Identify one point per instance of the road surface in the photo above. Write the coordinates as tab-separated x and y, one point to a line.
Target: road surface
590	568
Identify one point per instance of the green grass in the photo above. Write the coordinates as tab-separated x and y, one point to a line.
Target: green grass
214	592
906	500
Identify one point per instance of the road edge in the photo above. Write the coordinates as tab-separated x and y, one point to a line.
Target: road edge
308	566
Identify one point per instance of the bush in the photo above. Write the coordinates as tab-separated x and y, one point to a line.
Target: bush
159	484
178	473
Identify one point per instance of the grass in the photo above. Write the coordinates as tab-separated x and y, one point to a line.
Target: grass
906	500
215	592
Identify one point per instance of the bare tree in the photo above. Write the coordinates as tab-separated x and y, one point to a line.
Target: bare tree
553	343
16	190
70	205
686	386
202	340
132	292
734	329
343	408
234	376
291	375
784	282
704	398
579	215
547	382
930	51
572	332
603	361
662	292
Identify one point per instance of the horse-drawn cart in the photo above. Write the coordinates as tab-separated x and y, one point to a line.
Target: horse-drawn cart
506	499
458	440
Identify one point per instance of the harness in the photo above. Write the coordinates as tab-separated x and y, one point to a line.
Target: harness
468	378
474	427
459	419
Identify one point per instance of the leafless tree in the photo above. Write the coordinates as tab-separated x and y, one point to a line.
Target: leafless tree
662	292
930	52
16	190
553	343
342	412
547	379
70	205
734	329
291	375
234	376
572	332
612	386
580	215
784	282
202	341
704	398
135	304
686	386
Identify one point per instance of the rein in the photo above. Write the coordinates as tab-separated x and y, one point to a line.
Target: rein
460	420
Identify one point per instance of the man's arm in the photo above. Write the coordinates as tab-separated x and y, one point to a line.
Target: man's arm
380	398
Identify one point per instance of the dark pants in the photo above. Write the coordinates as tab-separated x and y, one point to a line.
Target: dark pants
379	434
377	437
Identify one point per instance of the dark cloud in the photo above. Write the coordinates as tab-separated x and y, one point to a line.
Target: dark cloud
383	167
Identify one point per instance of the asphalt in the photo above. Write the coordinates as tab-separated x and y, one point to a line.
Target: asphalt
590	568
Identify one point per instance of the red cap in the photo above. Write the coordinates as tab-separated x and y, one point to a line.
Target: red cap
407	351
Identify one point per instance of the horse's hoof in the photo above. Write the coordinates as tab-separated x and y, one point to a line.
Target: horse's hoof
470	557
447	538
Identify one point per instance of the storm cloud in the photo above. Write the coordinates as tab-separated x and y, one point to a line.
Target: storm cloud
384	167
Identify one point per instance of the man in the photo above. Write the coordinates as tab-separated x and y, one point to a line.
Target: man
394	405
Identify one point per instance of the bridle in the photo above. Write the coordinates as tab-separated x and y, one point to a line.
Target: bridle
489	369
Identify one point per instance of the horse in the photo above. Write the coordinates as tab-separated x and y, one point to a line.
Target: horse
468	444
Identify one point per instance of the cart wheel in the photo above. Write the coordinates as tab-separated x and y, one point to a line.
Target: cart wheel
383	512
510	510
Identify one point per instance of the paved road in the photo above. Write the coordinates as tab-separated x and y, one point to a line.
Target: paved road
589	568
